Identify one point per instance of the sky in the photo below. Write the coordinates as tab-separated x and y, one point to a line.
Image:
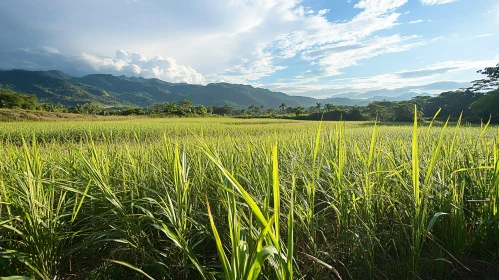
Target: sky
317	48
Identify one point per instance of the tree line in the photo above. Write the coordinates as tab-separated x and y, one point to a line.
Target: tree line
478	103
14	100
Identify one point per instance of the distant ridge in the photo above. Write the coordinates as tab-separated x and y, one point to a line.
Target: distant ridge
57	87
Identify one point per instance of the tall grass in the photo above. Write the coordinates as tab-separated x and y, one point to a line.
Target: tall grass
248	199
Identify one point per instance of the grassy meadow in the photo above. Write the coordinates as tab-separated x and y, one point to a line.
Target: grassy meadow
225	198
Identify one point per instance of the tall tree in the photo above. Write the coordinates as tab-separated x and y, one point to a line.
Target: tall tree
282	107
170	108
255	109
489	83
377	111
185	105
329	107
299	111
270	112
252	108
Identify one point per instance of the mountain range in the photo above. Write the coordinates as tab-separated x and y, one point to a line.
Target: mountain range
116	91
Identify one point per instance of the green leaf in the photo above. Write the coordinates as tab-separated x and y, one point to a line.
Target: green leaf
131	267
220	249
434	220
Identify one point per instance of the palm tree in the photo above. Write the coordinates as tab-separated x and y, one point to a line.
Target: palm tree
282	107
318	106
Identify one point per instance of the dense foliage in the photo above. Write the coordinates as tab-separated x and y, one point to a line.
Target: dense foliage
14	100
474	107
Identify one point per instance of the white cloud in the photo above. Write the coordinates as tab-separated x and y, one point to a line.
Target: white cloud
333	58
484	35
124	63
378	7
317	31
249	71
135	64
323	12
42	50
436	2
265	47
416	21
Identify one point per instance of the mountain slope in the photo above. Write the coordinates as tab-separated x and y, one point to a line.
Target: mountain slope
48	87
58	87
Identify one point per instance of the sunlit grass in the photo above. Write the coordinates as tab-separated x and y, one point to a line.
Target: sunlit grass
238	199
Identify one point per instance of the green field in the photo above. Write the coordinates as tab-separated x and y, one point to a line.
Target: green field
231	198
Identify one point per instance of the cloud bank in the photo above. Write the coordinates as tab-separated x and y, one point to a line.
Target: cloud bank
135	64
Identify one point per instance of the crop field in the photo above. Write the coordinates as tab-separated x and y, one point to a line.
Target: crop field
225	198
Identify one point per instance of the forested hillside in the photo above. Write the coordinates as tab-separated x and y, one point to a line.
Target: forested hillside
109	90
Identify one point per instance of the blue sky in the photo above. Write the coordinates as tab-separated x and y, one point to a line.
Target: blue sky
318	48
